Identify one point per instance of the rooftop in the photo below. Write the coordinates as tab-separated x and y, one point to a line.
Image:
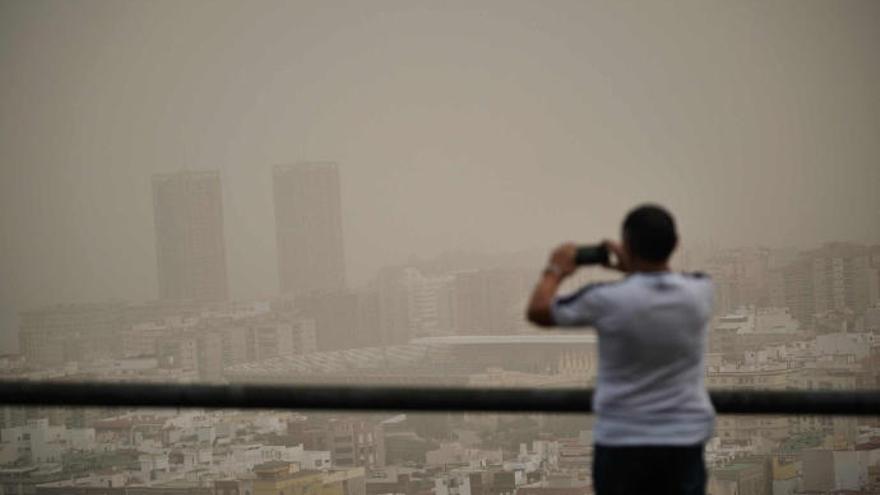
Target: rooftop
735	467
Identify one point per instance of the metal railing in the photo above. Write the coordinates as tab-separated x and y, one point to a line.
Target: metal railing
568	400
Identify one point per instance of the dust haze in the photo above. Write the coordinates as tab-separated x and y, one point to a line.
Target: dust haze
478	127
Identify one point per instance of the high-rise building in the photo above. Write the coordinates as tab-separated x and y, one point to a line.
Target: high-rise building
190	249
308	223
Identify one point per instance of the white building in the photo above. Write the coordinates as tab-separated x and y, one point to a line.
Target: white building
40	442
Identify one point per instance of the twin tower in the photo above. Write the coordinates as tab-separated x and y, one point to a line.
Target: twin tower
190	247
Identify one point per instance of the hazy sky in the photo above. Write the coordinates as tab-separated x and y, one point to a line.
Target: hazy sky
490	126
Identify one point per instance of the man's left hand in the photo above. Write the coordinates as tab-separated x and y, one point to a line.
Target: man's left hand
563	259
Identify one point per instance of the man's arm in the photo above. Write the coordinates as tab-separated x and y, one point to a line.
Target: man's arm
561	265
539	310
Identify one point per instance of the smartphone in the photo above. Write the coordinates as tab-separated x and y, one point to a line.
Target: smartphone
591	255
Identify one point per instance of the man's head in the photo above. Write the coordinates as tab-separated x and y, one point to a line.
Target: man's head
649	234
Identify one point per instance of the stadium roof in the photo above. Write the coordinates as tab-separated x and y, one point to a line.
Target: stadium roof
579	337
360	359
430	353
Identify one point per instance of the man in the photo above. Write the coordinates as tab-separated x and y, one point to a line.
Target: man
653	414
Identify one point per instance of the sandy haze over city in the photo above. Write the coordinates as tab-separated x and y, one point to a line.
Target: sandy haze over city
457	126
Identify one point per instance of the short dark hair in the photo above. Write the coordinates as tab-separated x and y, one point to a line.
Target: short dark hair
649	230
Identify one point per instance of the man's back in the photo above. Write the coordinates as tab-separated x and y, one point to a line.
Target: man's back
652	333
653	412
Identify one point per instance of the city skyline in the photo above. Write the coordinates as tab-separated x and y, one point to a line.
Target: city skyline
515	130
179	199
187	207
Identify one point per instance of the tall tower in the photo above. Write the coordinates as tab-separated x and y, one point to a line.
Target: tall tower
308	225
190	250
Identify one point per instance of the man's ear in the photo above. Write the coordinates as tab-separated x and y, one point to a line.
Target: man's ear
626	250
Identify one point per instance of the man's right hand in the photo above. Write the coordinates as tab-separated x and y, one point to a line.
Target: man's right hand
618	260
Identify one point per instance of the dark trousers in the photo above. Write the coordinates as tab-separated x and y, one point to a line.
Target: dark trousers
653	470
